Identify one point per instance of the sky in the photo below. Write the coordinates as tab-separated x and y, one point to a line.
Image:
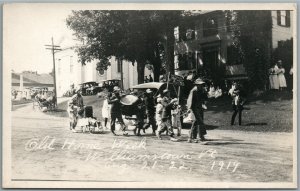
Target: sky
27	28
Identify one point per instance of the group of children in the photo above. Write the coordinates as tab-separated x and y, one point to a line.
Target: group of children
167	116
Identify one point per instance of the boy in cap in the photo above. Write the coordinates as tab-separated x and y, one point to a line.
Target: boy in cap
158	112
176	123
166	96
166	120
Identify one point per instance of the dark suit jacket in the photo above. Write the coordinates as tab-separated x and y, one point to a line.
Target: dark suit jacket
196	98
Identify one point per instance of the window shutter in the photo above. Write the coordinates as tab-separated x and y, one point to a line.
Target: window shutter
278	18
288	19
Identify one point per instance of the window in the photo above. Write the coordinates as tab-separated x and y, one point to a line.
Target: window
182	33
288	18
190	34
210	27
284	18
185	61
176	34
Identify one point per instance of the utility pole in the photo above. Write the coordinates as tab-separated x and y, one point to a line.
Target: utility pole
121	70
54	49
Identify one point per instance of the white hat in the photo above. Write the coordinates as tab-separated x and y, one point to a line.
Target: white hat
159	99
166	91
148	91
199	81
174	100
116	88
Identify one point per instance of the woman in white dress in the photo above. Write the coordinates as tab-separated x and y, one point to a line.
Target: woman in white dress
106	110
274	82
281	78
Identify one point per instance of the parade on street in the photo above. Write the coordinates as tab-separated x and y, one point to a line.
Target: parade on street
180	98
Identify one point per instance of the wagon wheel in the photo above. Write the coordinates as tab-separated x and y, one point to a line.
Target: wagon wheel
91	129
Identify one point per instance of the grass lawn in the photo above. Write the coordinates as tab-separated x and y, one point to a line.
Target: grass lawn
270	112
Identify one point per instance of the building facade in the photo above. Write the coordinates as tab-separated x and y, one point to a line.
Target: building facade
282	29
203	44
70	72
30	79
206	42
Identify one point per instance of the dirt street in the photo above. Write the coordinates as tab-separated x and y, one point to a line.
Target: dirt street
43	148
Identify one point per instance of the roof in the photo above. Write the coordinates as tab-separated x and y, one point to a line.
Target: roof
33	78
149	85
110	80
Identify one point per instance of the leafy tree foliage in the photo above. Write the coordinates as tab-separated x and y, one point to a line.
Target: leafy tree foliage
140	37
251	34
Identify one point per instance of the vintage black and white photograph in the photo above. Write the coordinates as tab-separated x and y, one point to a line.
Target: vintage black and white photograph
149	95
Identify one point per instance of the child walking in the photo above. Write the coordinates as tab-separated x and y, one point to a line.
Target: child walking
176	123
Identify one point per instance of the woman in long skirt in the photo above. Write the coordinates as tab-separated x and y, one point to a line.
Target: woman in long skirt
281	77
106	110
274	82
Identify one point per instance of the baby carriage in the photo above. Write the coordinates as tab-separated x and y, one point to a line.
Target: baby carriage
82	120
44	105
132	111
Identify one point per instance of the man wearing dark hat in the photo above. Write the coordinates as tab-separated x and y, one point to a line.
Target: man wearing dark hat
195	102
238	100
150	109
115	111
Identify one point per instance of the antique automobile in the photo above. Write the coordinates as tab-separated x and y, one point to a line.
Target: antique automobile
133	111
109	84
157	88
90	88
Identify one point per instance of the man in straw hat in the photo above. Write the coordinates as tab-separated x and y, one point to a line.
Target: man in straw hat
195	103
75	104
115	110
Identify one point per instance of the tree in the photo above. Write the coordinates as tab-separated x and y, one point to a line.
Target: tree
129	35
251	34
